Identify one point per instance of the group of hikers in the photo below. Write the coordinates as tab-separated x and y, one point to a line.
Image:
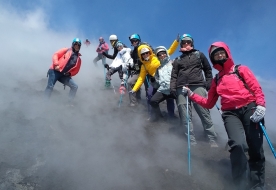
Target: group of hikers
188	80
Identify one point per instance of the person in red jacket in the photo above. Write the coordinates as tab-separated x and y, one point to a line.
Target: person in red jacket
66	63
243	107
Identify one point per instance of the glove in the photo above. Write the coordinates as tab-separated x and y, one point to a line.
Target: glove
106	66
173	94
104	53
186	91
67	74
152	79
177	37
122	90
258	114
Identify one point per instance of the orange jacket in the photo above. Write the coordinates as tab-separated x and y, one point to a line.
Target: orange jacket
61	57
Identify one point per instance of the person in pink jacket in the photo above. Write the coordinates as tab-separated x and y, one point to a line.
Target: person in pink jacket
66	63
102	47
243	107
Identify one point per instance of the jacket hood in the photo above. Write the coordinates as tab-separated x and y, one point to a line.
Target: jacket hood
166	60
228	63
139	53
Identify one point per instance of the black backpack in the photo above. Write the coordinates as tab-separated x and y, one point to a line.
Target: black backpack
236	72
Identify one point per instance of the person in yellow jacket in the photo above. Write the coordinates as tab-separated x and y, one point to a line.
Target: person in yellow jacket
150	62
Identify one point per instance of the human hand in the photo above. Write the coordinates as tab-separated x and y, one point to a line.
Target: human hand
186	91
258	114
106	66
57	68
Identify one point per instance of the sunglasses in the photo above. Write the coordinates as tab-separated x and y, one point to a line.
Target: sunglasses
186	42
77	43
145	53
161	53
134	41
222	52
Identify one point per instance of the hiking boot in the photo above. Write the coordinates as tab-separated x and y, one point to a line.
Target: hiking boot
193	140
213	144
107	83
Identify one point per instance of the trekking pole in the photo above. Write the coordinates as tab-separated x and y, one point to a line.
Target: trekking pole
189	145
226	145
148	95
268	140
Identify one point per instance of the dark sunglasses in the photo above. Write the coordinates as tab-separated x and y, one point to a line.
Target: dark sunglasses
134	41
186	42
77	43
145	53
161	53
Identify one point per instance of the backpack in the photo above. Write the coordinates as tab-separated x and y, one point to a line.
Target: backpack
236	72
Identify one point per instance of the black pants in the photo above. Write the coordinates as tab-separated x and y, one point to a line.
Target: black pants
239	128
113	70
156	99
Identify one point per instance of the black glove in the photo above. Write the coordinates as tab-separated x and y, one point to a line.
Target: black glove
173	94
152	79
67	74
104	53
106	66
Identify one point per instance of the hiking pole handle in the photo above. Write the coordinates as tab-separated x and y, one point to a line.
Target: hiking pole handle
268	140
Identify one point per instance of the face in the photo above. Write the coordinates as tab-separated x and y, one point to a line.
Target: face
161	55
220	55
112	42
119	48
77	47
186	45
101	40
134	42
145	55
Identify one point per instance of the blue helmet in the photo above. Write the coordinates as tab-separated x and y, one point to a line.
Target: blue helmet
135	36
76	40
186	37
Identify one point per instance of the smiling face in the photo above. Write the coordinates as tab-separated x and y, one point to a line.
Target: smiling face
186	45
76	47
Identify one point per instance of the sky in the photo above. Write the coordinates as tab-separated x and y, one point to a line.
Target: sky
246	26
31	31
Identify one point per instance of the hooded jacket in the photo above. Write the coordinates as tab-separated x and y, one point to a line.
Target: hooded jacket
163	74
229	87
148	67
114	53
123	58
61	58
102	47
187	69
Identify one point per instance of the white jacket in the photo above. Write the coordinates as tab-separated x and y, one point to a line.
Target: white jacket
123	58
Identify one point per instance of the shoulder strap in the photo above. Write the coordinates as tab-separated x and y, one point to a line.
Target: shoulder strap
217	78
236	72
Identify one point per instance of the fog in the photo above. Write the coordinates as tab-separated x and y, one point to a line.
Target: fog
95	144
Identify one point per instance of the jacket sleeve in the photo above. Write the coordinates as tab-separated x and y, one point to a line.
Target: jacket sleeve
140	79
76	69
57	55
173	47
211	99
105	47
111	56
174	76
253	84
207	69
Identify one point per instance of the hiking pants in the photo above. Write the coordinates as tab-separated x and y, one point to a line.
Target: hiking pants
113	70
131	82
53	77
203	113
100	57
239	128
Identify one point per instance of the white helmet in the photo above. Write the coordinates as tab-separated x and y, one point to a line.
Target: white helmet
113	37
144	50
